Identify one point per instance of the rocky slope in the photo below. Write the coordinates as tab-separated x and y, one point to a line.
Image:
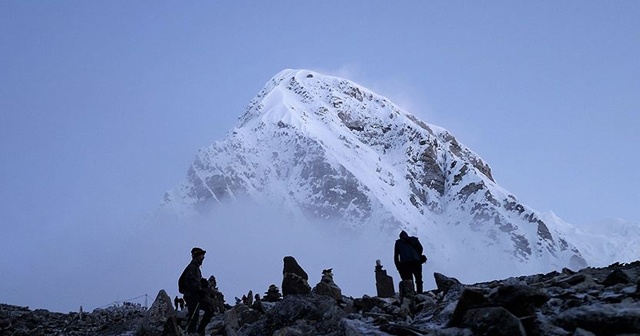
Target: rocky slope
592	301
325	148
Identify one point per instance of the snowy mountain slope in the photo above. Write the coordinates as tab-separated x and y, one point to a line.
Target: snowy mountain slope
326	148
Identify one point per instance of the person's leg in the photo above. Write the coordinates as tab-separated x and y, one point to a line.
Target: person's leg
194	314
417	273
208	314
405	271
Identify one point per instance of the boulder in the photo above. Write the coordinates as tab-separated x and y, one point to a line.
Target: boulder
601	319
520	300
291	266
160	319
470	299
616	277
445	283
294	284
294	278
494	321
406	289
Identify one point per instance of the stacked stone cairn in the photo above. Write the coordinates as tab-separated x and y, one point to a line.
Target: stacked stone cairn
272	294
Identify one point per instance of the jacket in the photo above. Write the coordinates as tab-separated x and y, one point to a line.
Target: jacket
407	250
190	280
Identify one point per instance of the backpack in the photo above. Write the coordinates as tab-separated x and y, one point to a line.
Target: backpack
423	259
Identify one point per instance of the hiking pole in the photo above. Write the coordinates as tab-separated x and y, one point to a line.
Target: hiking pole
193	314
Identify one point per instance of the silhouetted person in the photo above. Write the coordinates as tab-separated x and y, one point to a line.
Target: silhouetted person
193	286
179	302
407	257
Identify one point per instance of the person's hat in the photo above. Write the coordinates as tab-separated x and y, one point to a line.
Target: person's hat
197	251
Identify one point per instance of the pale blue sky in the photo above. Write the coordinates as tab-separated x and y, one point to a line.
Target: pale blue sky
103	104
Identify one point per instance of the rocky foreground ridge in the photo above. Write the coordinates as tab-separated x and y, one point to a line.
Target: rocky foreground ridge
592	301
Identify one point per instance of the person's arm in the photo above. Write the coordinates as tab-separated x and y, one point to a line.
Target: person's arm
396	254
416	245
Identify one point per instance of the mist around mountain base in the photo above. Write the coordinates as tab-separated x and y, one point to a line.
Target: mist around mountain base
95	266
246	242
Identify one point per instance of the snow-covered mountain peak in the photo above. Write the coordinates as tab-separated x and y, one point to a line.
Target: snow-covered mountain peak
326	148
329	108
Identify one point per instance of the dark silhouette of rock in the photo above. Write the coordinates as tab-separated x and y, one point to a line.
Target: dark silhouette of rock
257	304
293	284
292	266
406	289
213	296
616	277
239	316
272	294
160	319
384	282
470	299
445	283
294	278
328	287
493	321
520	300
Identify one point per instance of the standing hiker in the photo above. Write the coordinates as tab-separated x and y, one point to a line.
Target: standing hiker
193	286
408	259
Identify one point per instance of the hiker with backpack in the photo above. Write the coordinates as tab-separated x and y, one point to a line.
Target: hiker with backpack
194	288
408	259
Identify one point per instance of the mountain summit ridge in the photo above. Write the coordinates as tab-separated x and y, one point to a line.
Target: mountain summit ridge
326	148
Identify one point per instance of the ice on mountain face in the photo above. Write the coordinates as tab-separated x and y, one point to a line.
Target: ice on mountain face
325	148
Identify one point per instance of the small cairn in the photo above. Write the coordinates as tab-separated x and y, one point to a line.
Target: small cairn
327	286
384	282
272	294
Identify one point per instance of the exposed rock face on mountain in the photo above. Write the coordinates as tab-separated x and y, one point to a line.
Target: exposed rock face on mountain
326	148
592	301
